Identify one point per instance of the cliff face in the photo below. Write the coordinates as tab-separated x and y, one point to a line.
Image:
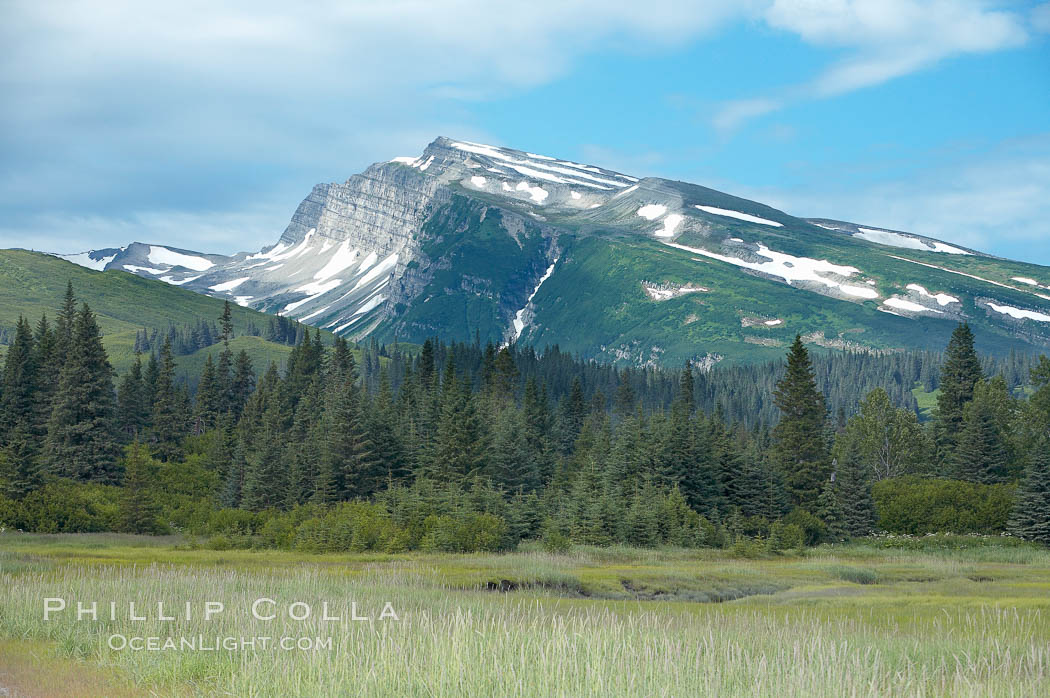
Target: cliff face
363	254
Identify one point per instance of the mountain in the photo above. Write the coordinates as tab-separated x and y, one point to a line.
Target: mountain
32	284
513	246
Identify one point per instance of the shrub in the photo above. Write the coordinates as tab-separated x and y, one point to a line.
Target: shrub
784	537
482	533
812	528
749	548
916	505
350	526
232	521
556	543
219	542
440	534
65	507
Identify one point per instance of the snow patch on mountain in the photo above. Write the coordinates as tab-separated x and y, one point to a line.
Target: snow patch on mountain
478	181
671	223
738	215
651	212
148	270
85	259
179	282
314	313
792	269
383	267
519	317
342	258
229	285
163	255
891	239
910	306
969	276
941	298
538	194
1019	313
541	167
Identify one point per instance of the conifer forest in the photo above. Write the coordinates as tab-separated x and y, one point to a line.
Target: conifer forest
459	447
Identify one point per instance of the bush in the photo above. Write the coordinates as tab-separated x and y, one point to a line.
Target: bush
556	543
232	521
812	528
784	537
749	548
219	542
65	507
916	506
350	526
482	533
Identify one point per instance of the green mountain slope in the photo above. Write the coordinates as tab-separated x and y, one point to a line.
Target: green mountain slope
33	283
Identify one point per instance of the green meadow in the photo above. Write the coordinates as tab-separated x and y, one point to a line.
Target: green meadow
940	616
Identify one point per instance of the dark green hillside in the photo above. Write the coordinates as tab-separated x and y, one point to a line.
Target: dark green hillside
596	298
32	284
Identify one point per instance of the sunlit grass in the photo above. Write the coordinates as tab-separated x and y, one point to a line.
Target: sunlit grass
841	620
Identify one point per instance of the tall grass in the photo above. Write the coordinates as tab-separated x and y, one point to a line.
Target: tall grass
455	638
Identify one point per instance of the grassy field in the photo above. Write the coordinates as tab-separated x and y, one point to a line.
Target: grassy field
969	619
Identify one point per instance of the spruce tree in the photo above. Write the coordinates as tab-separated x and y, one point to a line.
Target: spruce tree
149	385
980	453
351	462
508	457
138	506
853	486
625	398
571	413
800	450
829	510
686	387
82	434
243	382
959	375
169	419
266	472
1030	518
67	316
209	401
18	390
537	424
48	367
505	378
132	408
19	463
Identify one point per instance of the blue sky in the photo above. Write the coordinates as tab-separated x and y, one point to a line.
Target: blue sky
203	124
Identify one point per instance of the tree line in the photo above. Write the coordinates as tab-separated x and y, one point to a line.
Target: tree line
463	447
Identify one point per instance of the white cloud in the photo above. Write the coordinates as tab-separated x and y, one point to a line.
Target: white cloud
114	109
883	40
732	114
